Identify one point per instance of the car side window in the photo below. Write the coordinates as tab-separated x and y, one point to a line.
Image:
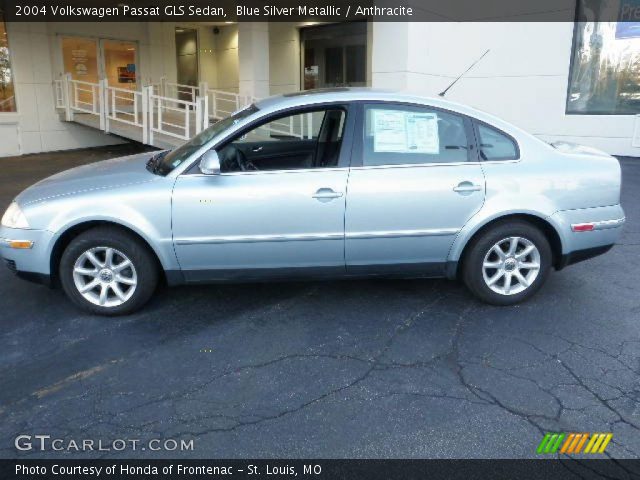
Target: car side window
400	135
495	145
301	140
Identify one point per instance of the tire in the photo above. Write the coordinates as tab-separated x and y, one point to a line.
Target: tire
85	264
490	284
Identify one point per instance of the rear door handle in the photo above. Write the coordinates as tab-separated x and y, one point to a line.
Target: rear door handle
326	194
467	187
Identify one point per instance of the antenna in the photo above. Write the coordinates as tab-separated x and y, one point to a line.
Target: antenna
442	93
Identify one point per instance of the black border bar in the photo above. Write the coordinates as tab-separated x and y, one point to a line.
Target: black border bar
544	469
316	10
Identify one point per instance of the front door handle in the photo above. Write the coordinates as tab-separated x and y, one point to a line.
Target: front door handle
256	149
326	194
466	188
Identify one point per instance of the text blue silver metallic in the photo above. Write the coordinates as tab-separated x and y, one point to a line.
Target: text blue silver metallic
321	184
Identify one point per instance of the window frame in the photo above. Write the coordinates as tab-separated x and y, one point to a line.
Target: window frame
359	132
346	144
577	20
476	131
10	115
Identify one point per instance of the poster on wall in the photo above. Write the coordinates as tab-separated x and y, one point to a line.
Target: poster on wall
127	74
79	59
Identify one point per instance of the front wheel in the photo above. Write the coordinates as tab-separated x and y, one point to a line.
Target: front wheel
108	271
507	264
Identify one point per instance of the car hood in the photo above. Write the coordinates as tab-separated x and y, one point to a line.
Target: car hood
102	175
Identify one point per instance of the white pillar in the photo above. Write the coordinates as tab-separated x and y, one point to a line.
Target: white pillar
253	59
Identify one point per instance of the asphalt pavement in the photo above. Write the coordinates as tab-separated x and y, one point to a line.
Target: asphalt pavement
367	369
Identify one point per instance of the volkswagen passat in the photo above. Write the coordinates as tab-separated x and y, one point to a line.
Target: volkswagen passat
342	183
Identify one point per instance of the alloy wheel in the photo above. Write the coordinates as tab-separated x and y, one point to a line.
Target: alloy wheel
105	276
511	265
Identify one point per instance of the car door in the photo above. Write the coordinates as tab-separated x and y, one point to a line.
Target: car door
415	181
282	219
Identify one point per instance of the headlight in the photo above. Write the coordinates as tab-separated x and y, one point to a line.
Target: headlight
14	218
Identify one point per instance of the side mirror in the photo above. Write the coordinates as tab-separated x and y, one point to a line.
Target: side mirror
210	163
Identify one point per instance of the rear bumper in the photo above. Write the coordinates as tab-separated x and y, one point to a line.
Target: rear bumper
581	255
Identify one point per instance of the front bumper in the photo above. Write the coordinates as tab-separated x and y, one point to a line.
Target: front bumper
32	263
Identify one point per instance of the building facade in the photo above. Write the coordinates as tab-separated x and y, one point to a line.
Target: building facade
561	81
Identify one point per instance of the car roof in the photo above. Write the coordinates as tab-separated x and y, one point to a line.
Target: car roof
350	94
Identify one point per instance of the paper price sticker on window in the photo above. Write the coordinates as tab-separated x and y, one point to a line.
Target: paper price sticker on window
405	132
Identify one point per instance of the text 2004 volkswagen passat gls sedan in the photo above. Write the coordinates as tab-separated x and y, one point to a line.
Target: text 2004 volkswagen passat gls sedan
343	183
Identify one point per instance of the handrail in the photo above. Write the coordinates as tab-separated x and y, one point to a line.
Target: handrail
164	108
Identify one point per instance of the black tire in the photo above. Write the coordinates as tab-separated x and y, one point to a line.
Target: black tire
473	261
144	264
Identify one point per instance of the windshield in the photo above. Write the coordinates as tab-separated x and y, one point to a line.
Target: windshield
165	162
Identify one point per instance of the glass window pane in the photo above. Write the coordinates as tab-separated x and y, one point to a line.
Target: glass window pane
413	135
494	145
80	57
7	92
299	141
605	69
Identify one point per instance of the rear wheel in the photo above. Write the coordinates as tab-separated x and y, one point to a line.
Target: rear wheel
508	263
108	271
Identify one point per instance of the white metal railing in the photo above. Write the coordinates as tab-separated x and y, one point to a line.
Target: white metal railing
156	109
125	106
172	116
84	96
58	92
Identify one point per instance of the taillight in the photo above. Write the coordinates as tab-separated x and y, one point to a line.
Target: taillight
583	227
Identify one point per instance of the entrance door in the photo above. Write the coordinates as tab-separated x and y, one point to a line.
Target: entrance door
118	62
90	59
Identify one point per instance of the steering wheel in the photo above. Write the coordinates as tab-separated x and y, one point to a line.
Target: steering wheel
233	160
243	162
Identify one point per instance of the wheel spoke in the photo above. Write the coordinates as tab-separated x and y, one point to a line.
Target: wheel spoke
118	291
125	280
121	266
495	278
498	251
513	245
529	265
523	281
492	264
89	272
93	259
104	292
89	286
507	283
524	253
108	257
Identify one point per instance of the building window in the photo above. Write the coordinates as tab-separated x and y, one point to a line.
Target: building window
334	55
7	93
605	66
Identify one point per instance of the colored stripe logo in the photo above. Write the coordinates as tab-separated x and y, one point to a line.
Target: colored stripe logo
573	443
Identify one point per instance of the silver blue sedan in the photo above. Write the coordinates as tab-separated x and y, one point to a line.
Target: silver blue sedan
335	184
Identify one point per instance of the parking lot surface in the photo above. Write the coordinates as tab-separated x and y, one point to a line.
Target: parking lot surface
371	369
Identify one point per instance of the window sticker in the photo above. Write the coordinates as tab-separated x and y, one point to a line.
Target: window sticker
405	132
